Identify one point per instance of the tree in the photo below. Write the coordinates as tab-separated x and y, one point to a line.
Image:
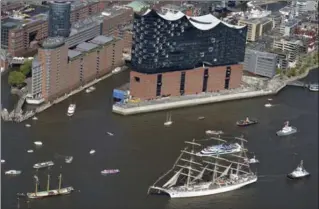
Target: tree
278	71
26	67
16	78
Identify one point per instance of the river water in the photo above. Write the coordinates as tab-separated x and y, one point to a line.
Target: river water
143	149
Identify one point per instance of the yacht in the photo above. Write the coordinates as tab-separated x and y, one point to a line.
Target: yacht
299	172
13	172
71	109
43	165
314	87
287	130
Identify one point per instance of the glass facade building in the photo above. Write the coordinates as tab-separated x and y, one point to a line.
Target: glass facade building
174	42
59	18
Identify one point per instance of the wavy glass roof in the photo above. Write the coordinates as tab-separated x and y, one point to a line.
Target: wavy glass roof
205	22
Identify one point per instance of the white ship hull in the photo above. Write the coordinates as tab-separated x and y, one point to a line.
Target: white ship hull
204	192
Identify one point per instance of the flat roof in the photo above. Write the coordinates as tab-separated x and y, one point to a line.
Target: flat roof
73	53
101	39
114	11
86	46
33	10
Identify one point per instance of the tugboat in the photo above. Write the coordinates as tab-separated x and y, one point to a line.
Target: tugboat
286	130
299	172
246	122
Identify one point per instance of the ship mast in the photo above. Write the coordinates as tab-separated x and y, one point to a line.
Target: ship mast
48	184
190	161
60	182
36	184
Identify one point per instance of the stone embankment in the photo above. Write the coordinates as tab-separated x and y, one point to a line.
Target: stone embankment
19	116
257	88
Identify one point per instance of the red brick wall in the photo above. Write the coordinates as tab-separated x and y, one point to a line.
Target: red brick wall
146	88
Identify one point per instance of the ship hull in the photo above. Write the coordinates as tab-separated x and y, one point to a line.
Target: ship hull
205	192
290	176
280	133
50	193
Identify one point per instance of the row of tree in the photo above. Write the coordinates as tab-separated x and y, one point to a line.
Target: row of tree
16	78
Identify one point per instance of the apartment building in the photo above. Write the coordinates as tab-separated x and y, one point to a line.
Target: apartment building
256	27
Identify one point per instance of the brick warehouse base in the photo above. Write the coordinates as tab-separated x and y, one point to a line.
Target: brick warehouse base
151	86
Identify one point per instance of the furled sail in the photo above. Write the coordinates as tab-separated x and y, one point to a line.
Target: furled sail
173	180
225	171
200	175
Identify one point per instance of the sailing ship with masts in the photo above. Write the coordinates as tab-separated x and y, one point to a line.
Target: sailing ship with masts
195	175
49	192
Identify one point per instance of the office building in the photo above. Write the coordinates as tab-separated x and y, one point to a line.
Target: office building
260	63
175	54
59	18
57	70
288	26
293	47
256	27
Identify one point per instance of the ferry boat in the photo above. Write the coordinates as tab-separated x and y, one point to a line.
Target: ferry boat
43	165
71	109
220	149
299	172
48	192
286	130
13	172
314	87
228	174
110	171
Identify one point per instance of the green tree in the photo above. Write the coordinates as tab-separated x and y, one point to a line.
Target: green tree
26	67
16	78
278	71
292	72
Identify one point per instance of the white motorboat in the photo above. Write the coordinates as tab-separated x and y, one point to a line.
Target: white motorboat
110	134
71	109
90	89
110	171
116	70
268	104
27	125
287	130
38	143
299	172
314	87
168	121
220	149
270	99
34	118
30	151
92	151
201	118
212	132
13	172
69	159
252	160
43	165
3	161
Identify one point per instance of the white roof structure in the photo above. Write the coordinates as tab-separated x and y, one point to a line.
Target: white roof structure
205	22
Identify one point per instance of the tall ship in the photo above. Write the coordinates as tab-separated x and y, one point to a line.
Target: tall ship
194	176
49	192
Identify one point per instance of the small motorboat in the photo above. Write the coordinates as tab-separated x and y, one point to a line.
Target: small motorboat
43	165
30	151
90	89
314	87
3	161
21	195
246	122
92	151
13	172
212	132
71	109
110	171
34	118
27	125
110	134
252	160
270	99
168	121
116	70
268	104
299	172
38	143
69	159
201	118
286	130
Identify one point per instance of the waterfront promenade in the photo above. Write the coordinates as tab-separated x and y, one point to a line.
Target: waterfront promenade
272	87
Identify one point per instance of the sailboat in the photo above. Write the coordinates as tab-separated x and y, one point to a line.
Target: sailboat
48	193
168	121
204	175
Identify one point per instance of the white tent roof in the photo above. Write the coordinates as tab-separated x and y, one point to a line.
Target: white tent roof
205	22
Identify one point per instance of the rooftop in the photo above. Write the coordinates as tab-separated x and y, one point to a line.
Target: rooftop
291	22
80	4
85	46
137	6
73	53
85	24
53	42
101	40
33	10
114	11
